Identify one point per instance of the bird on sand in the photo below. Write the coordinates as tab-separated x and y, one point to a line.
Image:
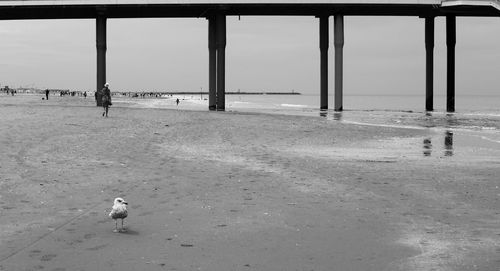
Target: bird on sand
119	211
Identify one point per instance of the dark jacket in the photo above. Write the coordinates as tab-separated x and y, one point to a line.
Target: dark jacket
106	96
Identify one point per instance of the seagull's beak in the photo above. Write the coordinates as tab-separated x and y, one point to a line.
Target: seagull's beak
126	203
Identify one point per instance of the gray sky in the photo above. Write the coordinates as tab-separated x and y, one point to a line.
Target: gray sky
382	55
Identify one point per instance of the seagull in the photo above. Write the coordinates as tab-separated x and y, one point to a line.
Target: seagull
119	211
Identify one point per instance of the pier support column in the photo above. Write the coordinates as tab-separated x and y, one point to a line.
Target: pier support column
339	46
451	40
221	61
101	55
323	46
429	63
212	64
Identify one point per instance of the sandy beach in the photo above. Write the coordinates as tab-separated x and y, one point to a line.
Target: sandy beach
238	191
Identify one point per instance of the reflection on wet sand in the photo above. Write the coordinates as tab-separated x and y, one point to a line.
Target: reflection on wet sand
451	120
448	144
427	147
335	116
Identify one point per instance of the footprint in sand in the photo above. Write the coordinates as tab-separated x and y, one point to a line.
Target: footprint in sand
48	257
89	236
34	253
73	242
97	247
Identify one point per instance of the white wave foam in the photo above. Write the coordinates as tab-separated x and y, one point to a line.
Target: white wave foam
293	105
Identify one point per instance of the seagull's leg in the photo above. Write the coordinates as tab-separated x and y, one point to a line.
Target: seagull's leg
122	225
116	226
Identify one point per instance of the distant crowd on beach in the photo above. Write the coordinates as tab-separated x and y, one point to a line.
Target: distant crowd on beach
71	93
8	91
79	93
143	94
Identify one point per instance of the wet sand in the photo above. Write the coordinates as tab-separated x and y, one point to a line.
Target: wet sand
238	191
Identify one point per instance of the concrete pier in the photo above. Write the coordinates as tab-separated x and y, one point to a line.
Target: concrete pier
101	55
323	45
339	62
212	64
429	63
221	61
450	66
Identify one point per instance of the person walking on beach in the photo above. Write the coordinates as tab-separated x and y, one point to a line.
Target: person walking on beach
47	94
106	99
177	101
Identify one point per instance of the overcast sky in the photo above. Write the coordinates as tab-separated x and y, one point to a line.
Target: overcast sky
382	55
